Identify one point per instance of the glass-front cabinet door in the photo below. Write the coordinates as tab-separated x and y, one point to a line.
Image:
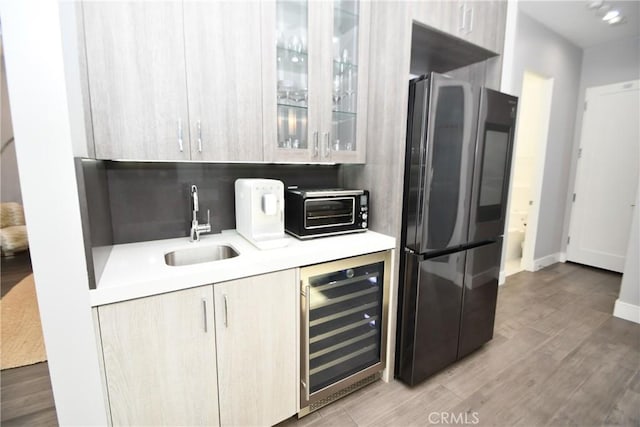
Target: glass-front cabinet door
349	46
292	74
314	90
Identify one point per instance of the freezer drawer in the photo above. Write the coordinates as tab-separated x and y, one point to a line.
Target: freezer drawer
449	305
479	297
431	315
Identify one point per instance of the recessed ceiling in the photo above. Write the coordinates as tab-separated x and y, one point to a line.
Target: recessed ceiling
577	23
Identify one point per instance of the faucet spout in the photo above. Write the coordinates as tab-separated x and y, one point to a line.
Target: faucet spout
194	198
196	229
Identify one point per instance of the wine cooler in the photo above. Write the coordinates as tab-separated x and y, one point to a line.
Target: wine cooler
343	315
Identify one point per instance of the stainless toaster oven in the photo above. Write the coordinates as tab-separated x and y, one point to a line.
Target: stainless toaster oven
324	212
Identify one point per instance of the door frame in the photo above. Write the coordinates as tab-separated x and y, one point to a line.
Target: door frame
531	234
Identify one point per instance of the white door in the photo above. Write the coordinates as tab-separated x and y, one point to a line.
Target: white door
607	176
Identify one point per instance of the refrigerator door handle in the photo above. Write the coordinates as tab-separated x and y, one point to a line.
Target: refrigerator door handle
423	162
469	116
430	104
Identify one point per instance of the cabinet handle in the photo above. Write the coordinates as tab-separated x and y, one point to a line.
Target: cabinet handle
204	312
315	144
470	21
328	146
199	127
180	139
462	18
226	311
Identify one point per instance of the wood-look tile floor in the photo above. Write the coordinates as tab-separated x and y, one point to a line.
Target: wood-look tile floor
558	357
26	397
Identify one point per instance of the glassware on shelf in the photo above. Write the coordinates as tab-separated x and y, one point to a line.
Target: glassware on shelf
299	95
292	127
343	131
289	94
337	92
345	56
284	89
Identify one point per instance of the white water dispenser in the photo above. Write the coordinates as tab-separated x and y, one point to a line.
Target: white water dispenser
260	212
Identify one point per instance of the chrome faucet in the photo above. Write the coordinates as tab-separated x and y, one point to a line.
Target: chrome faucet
196	228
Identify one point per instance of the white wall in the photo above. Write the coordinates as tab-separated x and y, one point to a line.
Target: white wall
540	50
43	131
9	180
628	303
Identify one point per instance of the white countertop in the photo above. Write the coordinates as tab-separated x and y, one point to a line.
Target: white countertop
137	270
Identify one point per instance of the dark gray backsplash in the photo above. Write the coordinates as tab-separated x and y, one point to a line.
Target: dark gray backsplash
95	210
150	201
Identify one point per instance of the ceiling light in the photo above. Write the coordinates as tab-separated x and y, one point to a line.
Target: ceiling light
611	15
603	10
616	20
595	4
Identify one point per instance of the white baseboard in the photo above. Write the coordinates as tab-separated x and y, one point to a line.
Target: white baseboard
563	257
546	261
626	311
502	278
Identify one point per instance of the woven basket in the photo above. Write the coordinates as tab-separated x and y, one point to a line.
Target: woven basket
11	214
13	231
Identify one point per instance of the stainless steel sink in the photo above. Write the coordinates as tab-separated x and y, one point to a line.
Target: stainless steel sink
199	255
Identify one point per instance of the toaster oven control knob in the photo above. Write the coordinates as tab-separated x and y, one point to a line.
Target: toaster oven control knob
364	224
365	216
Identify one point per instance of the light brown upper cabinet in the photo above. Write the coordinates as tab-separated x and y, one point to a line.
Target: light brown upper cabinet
479	22
315	80
136	74
223	51
483	23
174	80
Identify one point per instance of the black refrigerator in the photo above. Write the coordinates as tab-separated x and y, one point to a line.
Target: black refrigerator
459	149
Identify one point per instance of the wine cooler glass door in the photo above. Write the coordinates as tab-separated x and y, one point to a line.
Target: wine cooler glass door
342	322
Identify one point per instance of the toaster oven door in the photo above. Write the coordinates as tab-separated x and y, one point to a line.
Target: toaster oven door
329	212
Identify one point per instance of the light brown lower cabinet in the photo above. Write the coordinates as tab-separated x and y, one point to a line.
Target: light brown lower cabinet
256	339
182	359
160	359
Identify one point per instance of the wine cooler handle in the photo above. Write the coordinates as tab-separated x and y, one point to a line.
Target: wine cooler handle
307	299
